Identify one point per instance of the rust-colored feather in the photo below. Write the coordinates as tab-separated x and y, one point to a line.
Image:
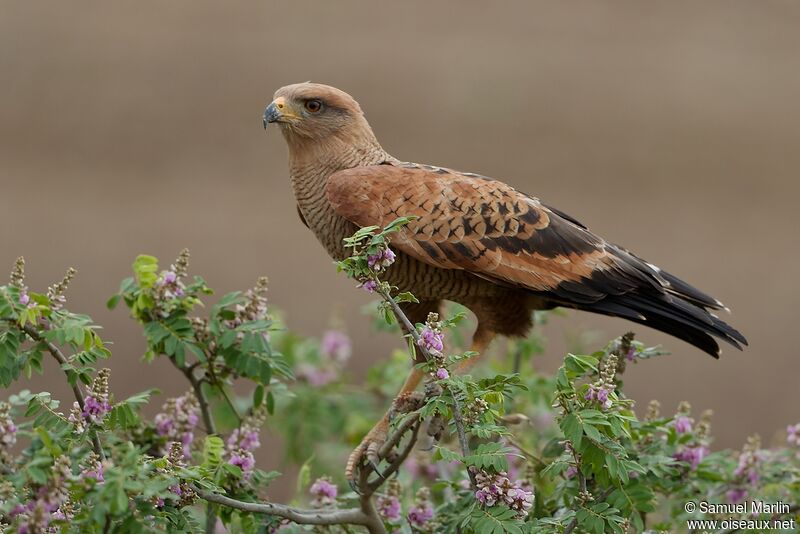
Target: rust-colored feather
471	223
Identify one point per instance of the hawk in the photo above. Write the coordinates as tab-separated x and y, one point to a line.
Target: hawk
475	240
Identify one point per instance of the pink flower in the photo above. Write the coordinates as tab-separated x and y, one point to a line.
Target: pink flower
599	395
498	489
380	260
95	409
692	455
431	339
419	515
245	461
388	507
442	374
324	492
682	424
316	376
737	495
336	345
793	434
369	286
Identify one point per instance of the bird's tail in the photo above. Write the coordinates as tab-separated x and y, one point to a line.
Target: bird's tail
676	308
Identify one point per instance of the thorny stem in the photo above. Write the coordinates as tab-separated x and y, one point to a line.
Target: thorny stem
76	390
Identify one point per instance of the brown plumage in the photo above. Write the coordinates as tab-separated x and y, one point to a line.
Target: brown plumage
475	241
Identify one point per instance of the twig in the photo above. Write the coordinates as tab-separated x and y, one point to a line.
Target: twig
462	436
208	422
602	497
514	443
517	365
457	417
225	396
197	386
76	390
398	312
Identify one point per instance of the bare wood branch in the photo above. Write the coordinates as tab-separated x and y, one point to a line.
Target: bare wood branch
352	516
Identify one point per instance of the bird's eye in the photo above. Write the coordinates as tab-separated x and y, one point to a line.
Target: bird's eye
313	105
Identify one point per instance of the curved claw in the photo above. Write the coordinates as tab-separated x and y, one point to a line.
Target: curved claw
354	486
368	449
353	462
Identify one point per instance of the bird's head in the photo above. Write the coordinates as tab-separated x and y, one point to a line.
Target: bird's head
312	112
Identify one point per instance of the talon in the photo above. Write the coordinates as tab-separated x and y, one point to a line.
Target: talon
354	486
368	450
353	462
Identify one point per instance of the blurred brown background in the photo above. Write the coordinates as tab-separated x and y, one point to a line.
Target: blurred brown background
671	128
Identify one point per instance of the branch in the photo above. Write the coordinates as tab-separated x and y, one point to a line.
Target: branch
351	516
462	436
76	390
398	312
197	386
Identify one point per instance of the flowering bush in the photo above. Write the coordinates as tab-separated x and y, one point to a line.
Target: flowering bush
506	450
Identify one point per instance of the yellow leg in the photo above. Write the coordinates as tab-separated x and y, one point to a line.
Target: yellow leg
480	342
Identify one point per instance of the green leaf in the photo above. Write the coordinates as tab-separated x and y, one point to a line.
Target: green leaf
145	268
258	396
304	476
573	430
125	414
405	297
446	454
270	403
213	448
113	301
490	456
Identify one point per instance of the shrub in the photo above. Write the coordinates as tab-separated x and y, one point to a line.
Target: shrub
501	451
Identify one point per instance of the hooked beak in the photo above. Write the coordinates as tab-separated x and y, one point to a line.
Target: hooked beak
278	111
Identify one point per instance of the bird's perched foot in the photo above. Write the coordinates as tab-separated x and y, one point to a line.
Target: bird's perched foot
372	448
367	450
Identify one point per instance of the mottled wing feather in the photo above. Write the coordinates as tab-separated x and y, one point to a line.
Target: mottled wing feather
470	222
473	223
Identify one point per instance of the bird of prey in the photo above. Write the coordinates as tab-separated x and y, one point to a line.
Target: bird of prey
475	240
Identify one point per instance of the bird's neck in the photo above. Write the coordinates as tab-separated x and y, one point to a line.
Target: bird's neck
311	163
